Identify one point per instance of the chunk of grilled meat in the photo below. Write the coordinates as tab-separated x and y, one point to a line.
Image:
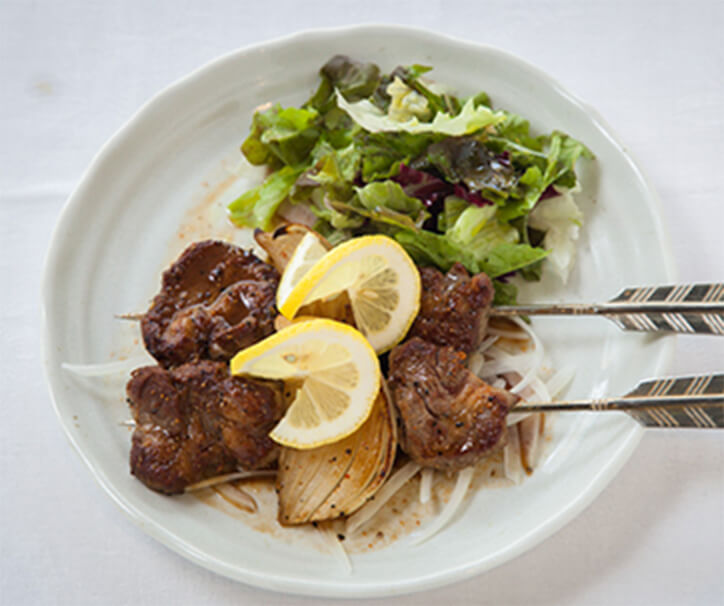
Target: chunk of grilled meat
448	417
197	421
215	300
454	308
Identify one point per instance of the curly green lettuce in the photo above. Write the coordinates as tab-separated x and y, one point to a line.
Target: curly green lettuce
450	178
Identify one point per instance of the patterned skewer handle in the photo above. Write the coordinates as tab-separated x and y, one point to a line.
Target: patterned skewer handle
695	401
686	308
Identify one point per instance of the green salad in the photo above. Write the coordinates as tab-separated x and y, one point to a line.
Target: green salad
451	179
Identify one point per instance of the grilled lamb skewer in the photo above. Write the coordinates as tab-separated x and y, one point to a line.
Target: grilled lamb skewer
448	417
197	421
454	308
215	300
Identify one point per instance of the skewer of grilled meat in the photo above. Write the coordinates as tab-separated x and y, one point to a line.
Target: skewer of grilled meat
197	421
454	308
215	300
448	417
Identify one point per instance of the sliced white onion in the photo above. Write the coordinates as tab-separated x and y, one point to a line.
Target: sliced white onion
498	383
497	353
560	380
535	392
539	391
397	480
426	476
494	352
105	369
508	347
230	477
538	360
515	335
237	497
338	549
529	431
464	479
501	367
487	343
512	465
476	360
516	417
500	362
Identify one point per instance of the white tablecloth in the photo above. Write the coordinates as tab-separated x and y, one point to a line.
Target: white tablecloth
71	73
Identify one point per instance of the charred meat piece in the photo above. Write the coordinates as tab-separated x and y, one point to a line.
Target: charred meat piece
449	418
197	421
215	300
454	308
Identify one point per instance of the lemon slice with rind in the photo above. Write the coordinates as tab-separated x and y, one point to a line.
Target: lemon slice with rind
334	370
380	279
309	250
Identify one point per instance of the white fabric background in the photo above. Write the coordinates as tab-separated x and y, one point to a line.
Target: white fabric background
71	73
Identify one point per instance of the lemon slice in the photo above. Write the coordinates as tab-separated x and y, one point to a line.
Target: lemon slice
381	281
309	250
336	374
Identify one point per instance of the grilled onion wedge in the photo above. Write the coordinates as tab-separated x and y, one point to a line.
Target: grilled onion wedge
281	243
335	480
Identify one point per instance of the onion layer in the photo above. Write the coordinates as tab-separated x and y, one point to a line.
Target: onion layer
334	480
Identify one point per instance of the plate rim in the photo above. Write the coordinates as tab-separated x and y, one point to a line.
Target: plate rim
283	584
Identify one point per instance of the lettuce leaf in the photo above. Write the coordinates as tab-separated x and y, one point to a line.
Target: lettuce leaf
280	135
338	216
506	293
353	79
385	204
467	160
410	75
384	219
453	207
470	119
356	80
388	194
488	251
256	207
492	244
383	153
406	104
428	248
335	167
469	223
552	166
507	257
560	219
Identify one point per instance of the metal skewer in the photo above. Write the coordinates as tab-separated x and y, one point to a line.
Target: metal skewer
686	308
694	401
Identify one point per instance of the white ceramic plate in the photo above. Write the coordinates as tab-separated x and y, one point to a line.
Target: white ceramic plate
121	226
